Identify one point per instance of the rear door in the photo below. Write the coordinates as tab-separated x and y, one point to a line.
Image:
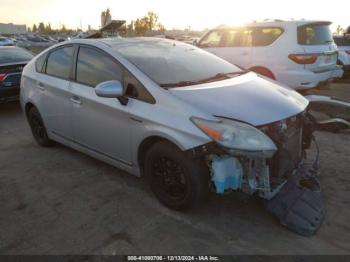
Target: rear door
316	39
53	85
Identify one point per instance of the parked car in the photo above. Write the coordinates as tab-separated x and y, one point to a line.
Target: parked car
12	61
4	41
343	43
150	107
300	54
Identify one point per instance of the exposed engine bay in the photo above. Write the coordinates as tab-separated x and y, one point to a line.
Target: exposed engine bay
287	181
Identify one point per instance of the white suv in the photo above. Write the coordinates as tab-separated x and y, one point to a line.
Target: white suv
300	54
343	43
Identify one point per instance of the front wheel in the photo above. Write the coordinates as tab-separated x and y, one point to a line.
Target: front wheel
178	181
38	129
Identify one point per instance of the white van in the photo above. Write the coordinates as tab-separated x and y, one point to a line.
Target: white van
300	54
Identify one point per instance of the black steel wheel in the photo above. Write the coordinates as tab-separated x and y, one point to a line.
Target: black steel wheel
38	128
178	181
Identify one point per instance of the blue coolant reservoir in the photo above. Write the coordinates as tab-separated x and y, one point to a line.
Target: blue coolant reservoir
227	173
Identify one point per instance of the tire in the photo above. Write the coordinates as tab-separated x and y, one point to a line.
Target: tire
38	128
179	182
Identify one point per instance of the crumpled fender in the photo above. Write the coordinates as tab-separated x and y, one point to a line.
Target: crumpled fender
331	114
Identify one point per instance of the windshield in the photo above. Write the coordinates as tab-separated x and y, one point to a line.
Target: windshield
172	63
315	34
14	55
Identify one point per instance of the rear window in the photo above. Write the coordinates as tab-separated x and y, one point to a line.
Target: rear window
342	41
314	34
10	55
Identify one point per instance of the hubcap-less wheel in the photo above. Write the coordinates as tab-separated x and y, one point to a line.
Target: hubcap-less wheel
178	181
38	128
169	176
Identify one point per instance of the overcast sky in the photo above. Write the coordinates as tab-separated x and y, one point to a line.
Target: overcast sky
172	13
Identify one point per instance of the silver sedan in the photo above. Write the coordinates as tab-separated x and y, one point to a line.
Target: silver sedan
186	119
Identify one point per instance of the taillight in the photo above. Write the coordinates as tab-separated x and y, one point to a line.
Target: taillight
303	59
2	77
347	51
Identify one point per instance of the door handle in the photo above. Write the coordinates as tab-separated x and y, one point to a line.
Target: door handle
75	100
41	86
244	53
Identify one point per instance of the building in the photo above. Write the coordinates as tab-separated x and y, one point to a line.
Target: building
106	18
12	29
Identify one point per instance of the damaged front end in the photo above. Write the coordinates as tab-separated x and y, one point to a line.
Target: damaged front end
286	181
270	161
281	176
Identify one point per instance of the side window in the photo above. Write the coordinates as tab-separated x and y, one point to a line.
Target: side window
39	63
134	89
264	36
212	39
238	38
95	67
59	62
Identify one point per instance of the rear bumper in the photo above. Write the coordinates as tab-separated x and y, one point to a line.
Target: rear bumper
306	79
9	93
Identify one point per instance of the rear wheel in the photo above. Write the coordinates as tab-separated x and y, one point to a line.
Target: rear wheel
38	129
178	181
263	71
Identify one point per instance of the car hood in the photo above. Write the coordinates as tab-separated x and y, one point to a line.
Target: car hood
249	98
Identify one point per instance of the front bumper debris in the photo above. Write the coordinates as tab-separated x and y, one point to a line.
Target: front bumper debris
299	205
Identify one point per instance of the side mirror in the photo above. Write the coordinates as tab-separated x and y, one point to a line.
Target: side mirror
110	89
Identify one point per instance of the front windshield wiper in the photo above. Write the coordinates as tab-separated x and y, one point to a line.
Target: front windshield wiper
205	80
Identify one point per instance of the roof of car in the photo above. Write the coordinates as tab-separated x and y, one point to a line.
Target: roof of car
276	22
119	41
116	42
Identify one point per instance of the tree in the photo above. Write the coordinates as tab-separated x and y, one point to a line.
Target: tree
35	29
141	26
148	23
339	30
63	29
41	27
48	29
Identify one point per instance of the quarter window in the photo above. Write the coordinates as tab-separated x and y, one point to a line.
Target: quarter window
134	89
95	67
59	62
40	63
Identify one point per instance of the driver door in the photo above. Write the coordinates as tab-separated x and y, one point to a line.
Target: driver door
99	124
